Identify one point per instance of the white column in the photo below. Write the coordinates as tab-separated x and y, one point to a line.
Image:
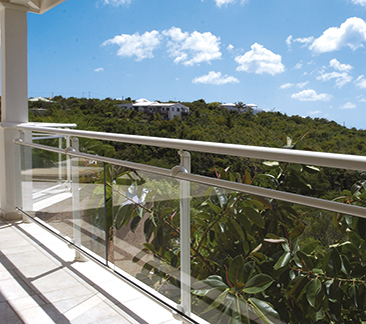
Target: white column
14	101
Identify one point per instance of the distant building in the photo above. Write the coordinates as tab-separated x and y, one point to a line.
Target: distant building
40	99
166	110
233	107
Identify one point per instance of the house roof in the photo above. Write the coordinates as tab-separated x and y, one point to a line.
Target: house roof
36	6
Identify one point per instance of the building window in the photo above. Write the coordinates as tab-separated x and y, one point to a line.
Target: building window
172	109
178	109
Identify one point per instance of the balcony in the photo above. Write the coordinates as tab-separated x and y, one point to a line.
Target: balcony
164	245
148	228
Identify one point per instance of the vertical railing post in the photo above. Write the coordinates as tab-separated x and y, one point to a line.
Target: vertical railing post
26	180
60	161
185	236
68	163
74	187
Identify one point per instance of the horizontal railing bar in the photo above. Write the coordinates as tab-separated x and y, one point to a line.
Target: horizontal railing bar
135	283
259	191
333	160
127	164
276	194
41	137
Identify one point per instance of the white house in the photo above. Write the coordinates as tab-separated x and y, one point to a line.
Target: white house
167	110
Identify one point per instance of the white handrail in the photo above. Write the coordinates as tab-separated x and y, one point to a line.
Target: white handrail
240	187
341	161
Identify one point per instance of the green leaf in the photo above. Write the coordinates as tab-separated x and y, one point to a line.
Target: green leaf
311	169
135	223
282	261
248	271
258	283
254	216
123	215
221	196
236	270
309	248
214	281
335	261
237	228
295	167
305	260
244	221
215	208
148	229
271	164
265	311
312	290
296	232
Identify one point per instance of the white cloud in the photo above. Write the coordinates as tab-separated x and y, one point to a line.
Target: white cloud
290	85
360	82
141	46
311	95
335	64
260	60
288	41
316	112
302	84
351	33
348	105
99	69
340	78
298	66
230	48
194	48
221	3
118	2
286	85
215	78
360	2
305	41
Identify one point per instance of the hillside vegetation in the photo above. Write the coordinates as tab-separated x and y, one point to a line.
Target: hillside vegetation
209	122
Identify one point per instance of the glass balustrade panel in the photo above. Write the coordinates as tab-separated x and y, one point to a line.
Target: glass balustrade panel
146	243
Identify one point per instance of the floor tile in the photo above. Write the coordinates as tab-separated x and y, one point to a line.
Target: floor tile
60	295
15	288
23	303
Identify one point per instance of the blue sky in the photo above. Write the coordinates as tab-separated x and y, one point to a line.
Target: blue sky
304	57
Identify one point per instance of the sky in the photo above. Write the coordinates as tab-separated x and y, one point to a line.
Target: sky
304	57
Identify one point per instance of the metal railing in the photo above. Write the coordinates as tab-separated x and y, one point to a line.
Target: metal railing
182	172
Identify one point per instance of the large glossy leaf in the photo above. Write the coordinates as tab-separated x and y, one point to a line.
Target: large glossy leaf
265	311
258	283
335	261
215	208
296	232
306	262
236	270
221	196
254	216
248	271
123	215
237	229
312	290
282	261
135	223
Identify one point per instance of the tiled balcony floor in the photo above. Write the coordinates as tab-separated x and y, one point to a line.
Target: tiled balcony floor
41	283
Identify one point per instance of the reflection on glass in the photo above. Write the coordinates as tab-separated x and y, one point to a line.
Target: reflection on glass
67	194
147	238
